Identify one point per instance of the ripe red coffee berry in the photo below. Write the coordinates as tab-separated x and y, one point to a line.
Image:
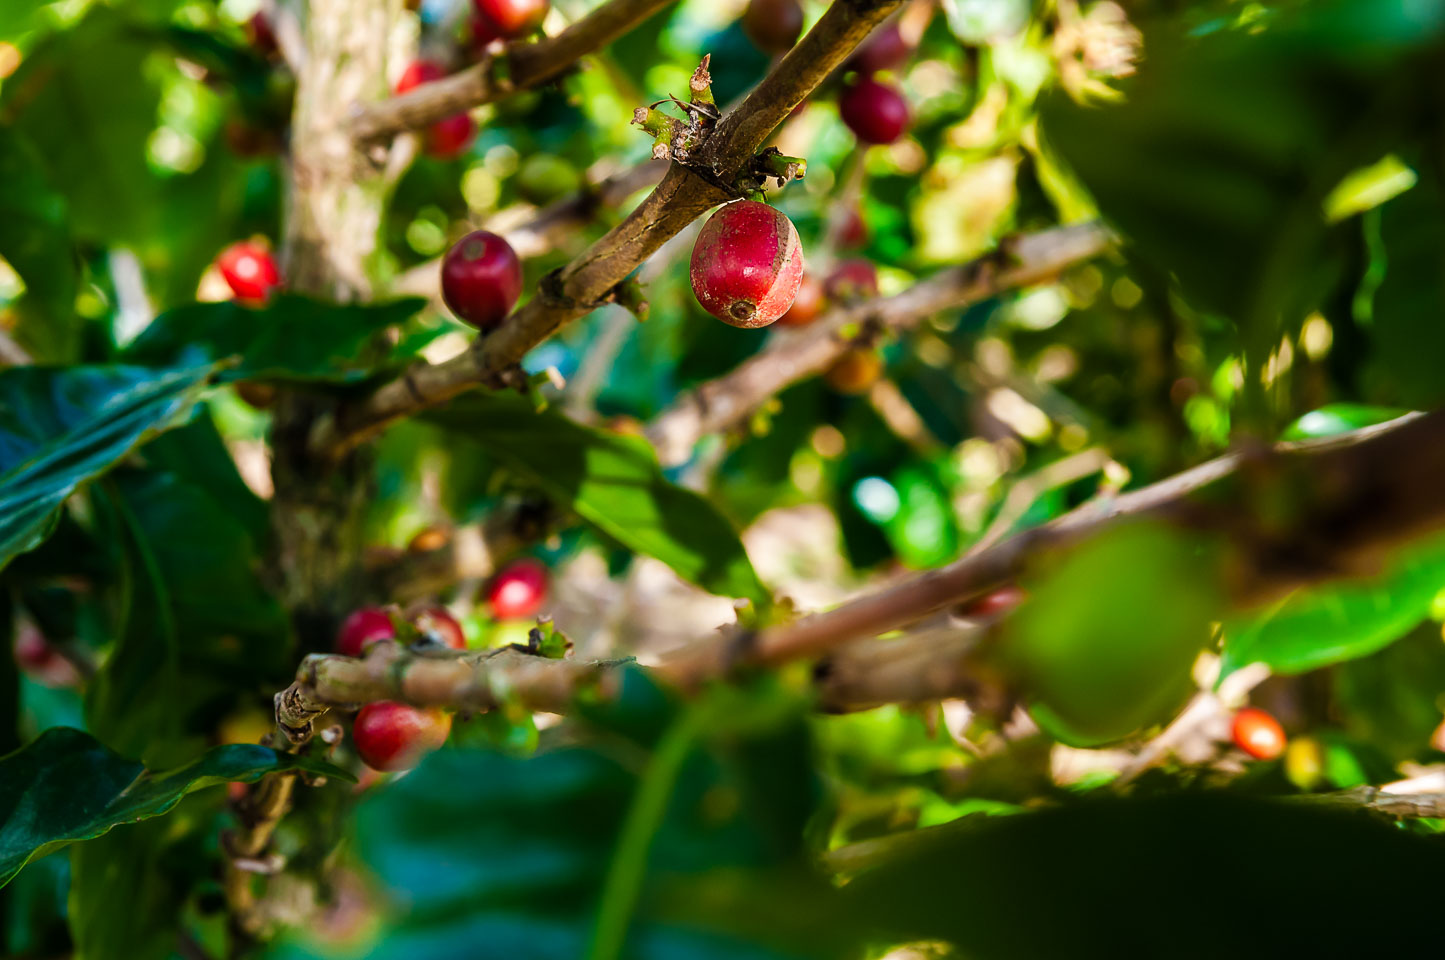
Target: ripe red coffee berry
511	19
32	652
481	279
807	305
518	591
1258	733
249	270
437	623
885	49
747	264
854	279
874	111
365	626
395	736
773	25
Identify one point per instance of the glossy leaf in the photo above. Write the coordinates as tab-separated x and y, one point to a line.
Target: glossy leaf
1337	418
1315	627
615	484
65	786
290	338
61	428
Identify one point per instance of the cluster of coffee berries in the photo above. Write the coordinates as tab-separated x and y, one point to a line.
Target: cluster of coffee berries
394	736
249	270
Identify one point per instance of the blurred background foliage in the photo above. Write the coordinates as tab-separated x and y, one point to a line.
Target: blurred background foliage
1274	173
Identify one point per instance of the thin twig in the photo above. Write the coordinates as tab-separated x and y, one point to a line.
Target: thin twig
526	65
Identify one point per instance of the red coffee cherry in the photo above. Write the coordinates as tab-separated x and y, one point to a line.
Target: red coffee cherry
437	623
994	604
249	270
807	305
394	736
773	25
884	49
854	279
518	591
366	625
854	372
482	34
1258	733
449	136
481	279
510	19
747	264
874	111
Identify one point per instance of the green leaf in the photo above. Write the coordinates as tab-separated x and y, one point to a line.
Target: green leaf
1337	418
35	240
1316	627
94	76
615	484
1104	643
290	338
65	786
1406	333
1077	864
62	427
199	624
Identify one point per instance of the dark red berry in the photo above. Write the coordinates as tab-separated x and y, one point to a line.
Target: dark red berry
481	279
250	271
518	591
482	34
853	279
511	19
366	625
1257	733
747	264
773	25
885	49
436	623
394	736
807	305
994	604
855	233
261	35
449	136
874	111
